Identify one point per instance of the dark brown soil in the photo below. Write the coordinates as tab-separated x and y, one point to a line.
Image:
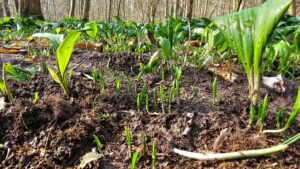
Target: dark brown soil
58	130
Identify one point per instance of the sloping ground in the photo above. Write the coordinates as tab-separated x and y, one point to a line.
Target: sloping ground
58	130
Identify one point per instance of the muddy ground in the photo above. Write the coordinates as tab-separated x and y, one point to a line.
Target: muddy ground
58	130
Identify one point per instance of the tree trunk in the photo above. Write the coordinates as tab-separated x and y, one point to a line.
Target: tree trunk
205	8
190	9
292	9
241	5
72	8
16	5
261	1
167	8
30	8
5	6
86	10
109	11
176	6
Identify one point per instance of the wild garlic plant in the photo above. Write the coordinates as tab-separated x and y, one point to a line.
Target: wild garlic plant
64	54
247	32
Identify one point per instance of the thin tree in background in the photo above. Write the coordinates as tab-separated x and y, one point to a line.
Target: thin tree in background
109	11
189	9
86	9
292	9
72	8
176	6
167	8
16	2
6	8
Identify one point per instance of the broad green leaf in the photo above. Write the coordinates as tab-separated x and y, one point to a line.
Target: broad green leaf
64	52
166	47
247	32
54	39
91	29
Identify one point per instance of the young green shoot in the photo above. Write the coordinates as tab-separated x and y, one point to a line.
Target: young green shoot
171	93
177	91
144	139
162	98
94	104
281	118
134	160
128	140
214	90
147	103
262	112
252	115
153	155
98	143
95	76
144	92
163	74
118	85
138	102
292	117
36	98
155	99
128	85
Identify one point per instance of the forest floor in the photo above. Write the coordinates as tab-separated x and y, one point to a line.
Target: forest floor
58	131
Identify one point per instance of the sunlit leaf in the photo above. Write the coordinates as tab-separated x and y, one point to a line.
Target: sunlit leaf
65	50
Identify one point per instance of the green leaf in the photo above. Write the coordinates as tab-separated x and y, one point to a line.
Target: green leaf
91	29
284	51
98	143
295	111
166	47
64	52
2	88
53	38
134	159
54	75
10	69
248	31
